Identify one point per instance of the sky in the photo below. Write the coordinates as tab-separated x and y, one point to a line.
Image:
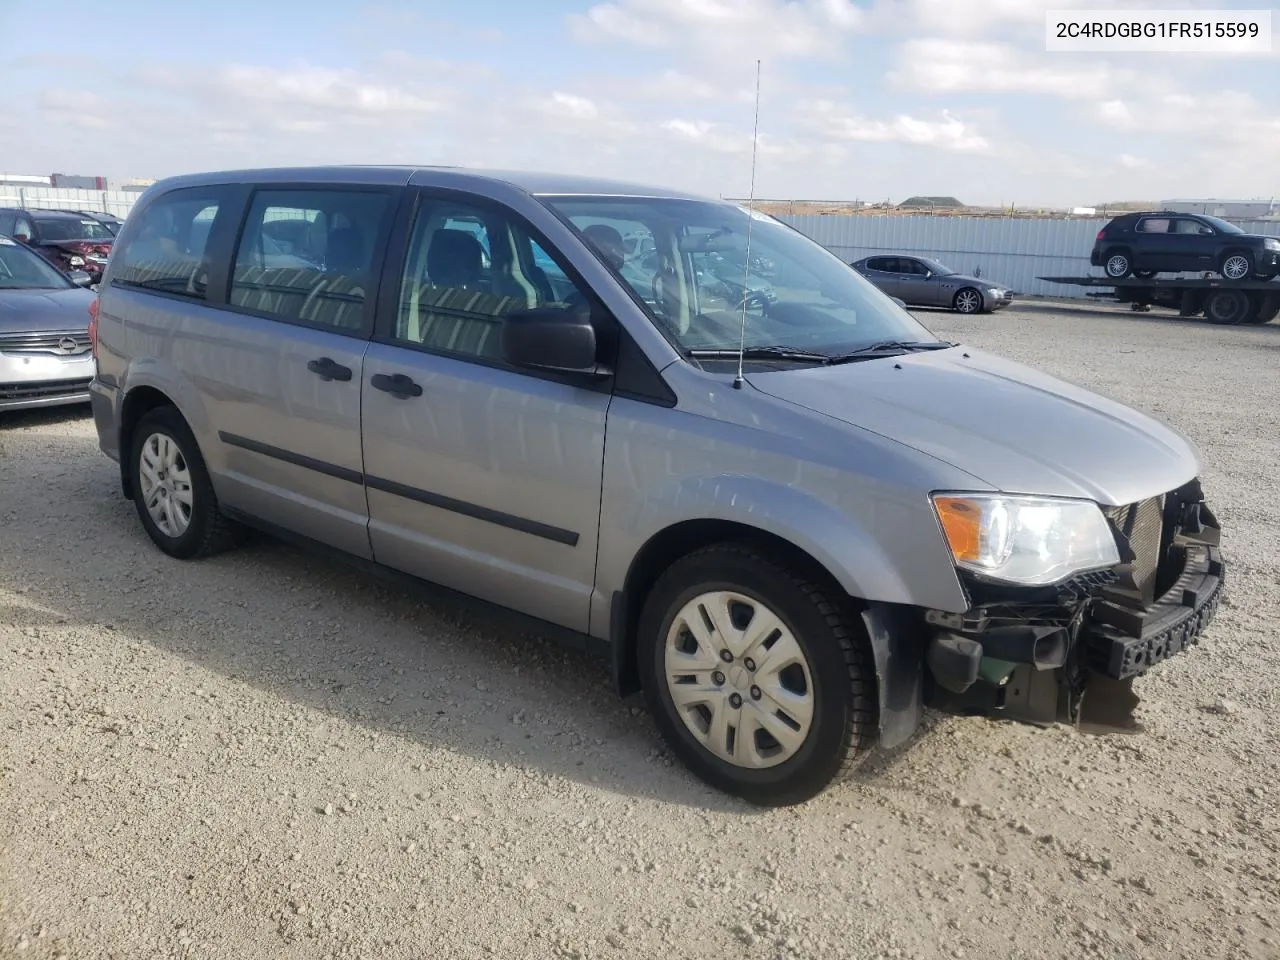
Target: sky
859	99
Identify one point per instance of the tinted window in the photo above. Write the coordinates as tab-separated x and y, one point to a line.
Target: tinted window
1222	226
59	229
467	269
914	267
1154	225
1191	227
166	250
308	256
879	263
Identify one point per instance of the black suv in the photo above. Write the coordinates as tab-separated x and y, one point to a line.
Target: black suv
1144	244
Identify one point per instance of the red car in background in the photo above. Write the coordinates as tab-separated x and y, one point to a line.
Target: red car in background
70	241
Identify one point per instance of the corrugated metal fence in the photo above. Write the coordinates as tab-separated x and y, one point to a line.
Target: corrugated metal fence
1012	252
117	202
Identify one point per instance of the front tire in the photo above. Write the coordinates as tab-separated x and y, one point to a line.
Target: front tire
172	491
967	300
1237	266
759	678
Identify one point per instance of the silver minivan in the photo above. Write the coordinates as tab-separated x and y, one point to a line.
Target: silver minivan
779	506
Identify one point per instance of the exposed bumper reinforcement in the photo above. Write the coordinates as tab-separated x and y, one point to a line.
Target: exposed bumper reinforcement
1121	643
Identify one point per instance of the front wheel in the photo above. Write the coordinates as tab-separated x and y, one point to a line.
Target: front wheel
172	491
759	678
967	300
1237	266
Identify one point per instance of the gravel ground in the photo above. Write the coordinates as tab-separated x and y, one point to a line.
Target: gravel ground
264	755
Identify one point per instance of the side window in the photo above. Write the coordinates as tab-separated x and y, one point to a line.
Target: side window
912	267
1154	225
467	269
307	256
1193	228
166	252
880	264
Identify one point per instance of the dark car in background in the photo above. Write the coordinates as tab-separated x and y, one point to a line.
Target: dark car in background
70	241
45	351
1145	244
924	282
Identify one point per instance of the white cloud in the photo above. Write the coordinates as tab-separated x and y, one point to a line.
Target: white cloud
936	65
571	106
1130	162
722	29
981	18
946	131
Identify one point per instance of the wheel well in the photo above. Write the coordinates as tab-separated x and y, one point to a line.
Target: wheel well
668	546
137	404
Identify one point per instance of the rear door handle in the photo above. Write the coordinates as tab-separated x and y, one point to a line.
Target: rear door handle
328	369
396	384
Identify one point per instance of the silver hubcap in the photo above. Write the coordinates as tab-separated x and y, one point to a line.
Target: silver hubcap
1118	266
739	679
1235	268
166	484
967	302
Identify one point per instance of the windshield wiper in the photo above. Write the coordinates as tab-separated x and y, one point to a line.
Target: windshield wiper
889	348
761	353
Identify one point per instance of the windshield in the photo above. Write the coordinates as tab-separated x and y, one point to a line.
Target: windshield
686	260
20	269
60	229
934	267
1221	225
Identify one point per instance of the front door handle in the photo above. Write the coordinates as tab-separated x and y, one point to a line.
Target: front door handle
328	369
396	384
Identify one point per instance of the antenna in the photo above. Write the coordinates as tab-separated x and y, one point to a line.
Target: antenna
751	218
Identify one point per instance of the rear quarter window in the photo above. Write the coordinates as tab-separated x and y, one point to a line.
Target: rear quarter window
167	251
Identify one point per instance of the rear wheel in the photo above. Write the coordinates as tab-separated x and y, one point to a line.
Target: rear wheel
1237	265
1226	307
759	678
967	300
1118	264
1263	307
172	491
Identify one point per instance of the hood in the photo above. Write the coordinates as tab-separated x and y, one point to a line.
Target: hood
37	311
76	246
1018	430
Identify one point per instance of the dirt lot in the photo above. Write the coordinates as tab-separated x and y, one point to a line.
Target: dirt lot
264	755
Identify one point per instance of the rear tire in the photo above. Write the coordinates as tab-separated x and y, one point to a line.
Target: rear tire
172	491
1117	264
817	682
1263	308
1226	307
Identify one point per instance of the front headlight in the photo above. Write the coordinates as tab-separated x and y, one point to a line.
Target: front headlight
1031	541
1271	243
76	261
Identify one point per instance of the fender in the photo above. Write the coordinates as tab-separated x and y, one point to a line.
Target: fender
163	376
838	541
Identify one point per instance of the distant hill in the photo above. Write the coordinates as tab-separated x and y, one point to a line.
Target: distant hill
930	202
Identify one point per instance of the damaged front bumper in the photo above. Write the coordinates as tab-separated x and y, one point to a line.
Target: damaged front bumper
1030	654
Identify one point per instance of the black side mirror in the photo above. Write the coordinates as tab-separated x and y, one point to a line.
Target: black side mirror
556	338
80	278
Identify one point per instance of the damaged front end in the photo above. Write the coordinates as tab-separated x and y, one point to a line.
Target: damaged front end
1030	654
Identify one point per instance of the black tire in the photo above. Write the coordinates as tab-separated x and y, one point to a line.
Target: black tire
826	629
1237	266
208	531
1117	265
967	300
1144	274
1226	307
1263	307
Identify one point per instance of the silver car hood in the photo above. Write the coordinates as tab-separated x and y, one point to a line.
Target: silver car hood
37	311
1013	427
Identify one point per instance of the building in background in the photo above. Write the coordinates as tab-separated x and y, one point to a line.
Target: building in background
1227	209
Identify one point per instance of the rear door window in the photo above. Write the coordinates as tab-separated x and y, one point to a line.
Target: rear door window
308	256
1154	225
